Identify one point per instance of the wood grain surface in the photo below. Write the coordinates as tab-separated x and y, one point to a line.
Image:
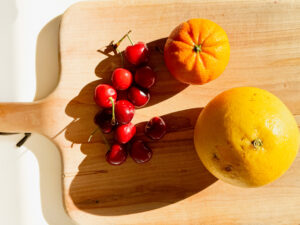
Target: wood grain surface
173	188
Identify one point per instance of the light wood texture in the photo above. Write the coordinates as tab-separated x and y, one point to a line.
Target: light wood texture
173	188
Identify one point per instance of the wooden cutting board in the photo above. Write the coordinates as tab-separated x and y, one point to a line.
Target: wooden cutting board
173	188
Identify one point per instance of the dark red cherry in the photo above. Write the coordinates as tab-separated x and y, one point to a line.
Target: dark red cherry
137	54
103	120
124	111
140	152
116	155
124	133
145	77
138	97
105	95
156	128
121	79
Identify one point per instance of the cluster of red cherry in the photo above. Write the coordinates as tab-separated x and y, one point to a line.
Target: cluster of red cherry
118	113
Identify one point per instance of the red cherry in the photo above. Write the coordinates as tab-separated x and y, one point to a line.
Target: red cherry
105	95
116	155
103	120
138	97
124	133
121	79
140	152
145	77
124	111
137	54
156	128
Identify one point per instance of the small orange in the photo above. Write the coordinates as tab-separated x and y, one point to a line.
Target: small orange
197	51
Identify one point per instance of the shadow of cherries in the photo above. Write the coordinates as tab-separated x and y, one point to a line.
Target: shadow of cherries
175	171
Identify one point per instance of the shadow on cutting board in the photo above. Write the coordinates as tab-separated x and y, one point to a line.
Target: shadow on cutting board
174	173
165	87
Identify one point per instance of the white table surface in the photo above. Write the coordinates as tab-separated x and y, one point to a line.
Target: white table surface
30	189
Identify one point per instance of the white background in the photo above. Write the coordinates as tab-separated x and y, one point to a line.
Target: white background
30	190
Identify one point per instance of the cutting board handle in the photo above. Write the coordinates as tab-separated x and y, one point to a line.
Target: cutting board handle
20	117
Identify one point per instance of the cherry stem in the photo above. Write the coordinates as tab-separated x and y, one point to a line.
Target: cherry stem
105	140
92	134
113	119
129	39
119	42
102	135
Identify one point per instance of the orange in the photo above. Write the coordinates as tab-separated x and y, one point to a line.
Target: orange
197	51
246	136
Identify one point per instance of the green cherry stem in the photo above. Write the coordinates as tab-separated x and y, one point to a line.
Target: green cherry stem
119	42
105	140
113	119
92	134
102	135
129	39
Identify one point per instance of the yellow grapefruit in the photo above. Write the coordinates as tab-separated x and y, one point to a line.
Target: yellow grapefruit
246	136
